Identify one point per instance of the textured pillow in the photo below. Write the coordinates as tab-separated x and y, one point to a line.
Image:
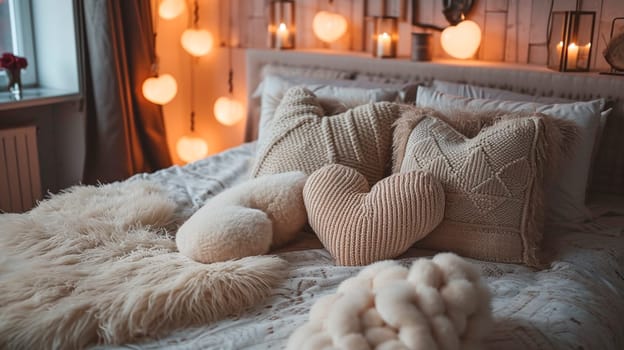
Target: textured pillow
335	96
473	91
566	194
302	138
358	224
492	181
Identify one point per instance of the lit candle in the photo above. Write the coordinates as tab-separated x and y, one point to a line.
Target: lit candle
282	36
384	45
573	51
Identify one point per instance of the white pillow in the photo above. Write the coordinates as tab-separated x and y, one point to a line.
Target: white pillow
335	96
285	70
474	91
567	193
468	90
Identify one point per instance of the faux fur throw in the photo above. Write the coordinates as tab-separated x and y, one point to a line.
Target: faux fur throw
95	265
435	304
359	225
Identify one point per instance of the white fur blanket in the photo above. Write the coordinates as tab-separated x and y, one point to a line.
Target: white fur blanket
95	265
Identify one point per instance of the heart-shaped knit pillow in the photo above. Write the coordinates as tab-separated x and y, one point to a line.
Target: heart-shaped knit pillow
359	225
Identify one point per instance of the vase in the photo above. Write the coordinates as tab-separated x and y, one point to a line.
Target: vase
15	83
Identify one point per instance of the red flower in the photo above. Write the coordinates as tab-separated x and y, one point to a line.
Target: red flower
10	61
21	62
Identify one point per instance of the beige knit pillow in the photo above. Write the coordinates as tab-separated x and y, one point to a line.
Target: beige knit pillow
358	224
301	138
492	181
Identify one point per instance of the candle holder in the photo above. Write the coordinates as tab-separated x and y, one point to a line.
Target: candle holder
570	40
422	44
385	36
282	24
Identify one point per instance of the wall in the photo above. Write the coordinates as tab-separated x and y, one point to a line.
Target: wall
60	138
513	31
60	125
211	76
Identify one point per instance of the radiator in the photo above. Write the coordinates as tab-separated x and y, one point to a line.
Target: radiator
20	181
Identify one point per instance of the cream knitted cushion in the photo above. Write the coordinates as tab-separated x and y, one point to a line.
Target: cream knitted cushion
359	225
492	182
302	138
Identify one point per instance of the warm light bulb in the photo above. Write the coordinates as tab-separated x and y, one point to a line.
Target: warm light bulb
197	42
160	90
461	41
228	111
170	9
328	26
191	148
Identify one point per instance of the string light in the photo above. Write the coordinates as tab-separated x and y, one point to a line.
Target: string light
170	9
192	147
158	89
197	42
329	26
229	111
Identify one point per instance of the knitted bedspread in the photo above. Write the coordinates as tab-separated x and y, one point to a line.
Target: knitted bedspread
577	302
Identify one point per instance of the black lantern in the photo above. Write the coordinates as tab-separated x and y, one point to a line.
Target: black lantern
282	24
570	40
385	36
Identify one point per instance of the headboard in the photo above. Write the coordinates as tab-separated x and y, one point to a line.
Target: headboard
608	168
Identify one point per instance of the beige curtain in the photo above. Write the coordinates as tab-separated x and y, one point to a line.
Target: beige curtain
125	132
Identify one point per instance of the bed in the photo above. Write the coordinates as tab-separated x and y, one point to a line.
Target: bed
574	302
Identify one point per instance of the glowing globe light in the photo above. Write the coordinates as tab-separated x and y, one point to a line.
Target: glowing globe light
161	89
170	9
191	148
461	41
329	26
197	42
228	111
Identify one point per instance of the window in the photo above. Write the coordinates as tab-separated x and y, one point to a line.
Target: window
16	36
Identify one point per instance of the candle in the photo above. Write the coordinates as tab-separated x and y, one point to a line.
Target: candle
282	36
559	49
573	51
384	45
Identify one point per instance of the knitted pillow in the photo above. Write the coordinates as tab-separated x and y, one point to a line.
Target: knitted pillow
492	181
359	225
302	138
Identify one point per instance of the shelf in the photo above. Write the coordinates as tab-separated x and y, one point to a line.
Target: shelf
37	97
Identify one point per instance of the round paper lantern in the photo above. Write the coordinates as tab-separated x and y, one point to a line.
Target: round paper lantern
170	9
329	26
191	148
160	90
228	111
461	41
197	42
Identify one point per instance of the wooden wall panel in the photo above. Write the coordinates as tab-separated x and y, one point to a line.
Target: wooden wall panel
513	30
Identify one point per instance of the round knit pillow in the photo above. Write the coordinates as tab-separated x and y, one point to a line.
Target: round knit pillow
359	225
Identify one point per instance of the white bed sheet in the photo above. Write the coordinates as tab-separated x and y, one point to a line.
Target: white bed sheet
576	303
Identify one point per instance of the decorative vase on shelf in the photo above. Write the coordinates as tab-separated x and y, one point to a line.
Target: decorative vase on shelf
13	66
15	83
